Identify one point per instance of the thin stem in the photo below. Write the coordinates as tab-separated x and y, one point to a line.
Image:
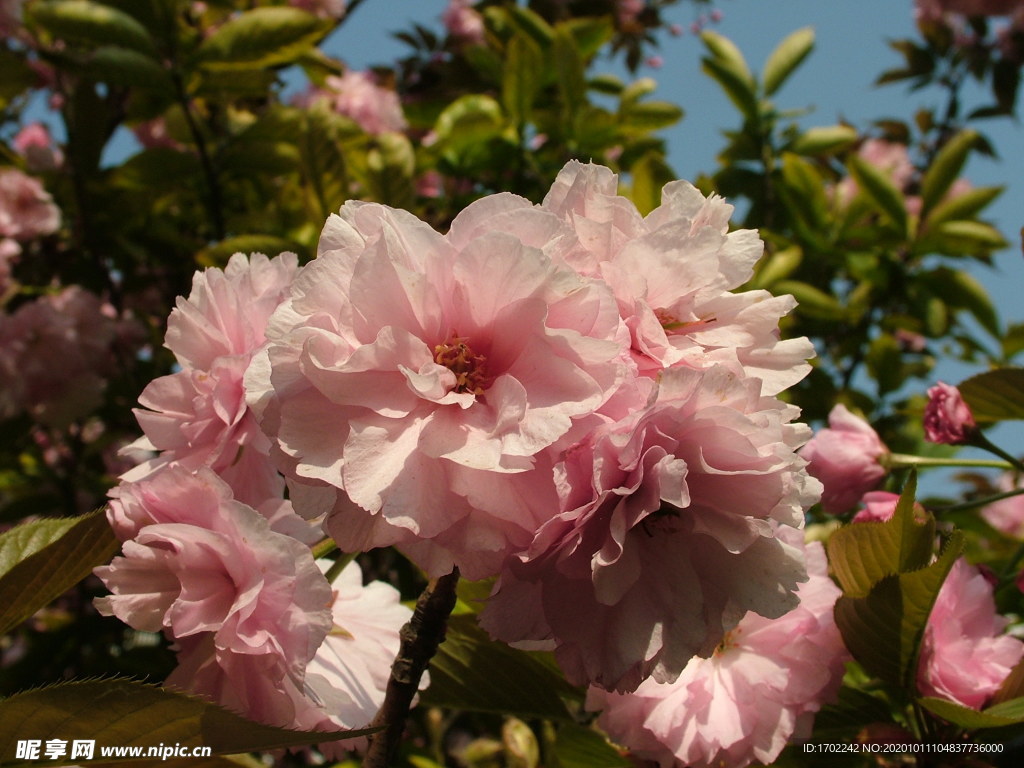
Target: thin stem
979	440
215	201
978	502
903	460
338	566
323	548
420	639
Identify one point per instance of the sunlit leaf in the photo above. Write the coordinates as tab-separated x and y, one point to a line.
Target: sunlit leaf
1008	713
650	174
811	301
879	188
580	747
963	206
42	559
91	23
521	78
945	168
217	255
995	395
126	713
786	57
823	140
262	37
468	120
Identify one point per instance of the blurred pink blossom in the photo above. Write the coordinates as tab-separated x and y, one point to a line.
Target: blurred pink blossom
10	17
888	156
357	95
1007	515
931	10
760	688
947	418
211	564
627	11
26	209
325	9
198	416
672	273
964	656
55	353
424	374
845	458
675	499
153	134
463	21
36	145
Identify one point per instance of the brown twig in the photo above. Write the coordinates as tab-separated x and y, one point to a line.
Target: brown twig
420	639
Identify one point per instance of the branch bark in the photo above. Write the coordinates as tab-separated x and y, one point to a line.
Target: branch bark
420	639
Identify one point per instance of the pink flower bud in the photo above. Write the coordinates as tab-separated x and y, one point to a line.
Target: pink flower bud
947	418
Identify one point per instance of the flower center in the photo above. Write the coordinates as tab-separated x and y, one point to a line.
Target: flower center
731	640
673	324
470	369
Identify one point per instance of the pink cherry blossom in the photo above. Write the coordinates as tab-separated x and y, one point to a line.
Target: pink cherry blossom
674	499
947	418
55	352
198	416
35	144
964	655
344	683
672	273
26	209
1007	515
760	688
210	564
357	95
934	9
845	458
424	376
463	21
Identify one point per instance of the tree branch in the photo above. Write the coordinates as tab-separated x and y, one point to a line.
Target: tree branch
420	639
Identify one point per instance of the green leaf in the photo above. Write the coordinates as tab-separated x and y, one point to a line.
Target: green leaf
580	747
877	185
823	140
123	66
738	88
813	302
521	78
995	395
570	74
42	559
647	116
723	49
469	120
471	671
963	291
589	33
16	76
1008	713
127	713
93	24
965	206
650	175
945	168
532	24
262	37
217	255
862	554
786	58
972	235
390	167
777	266
883	629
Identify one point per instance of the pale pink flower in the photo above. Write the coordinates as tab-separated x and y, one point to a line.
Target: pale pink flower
211	564
879	506
463	21
198	416
325	9
678	498
964	656
26	209
344	683
760	689
55	352
1007	515
947	418
357	95
627	11
36	145
672	273
845	458
424	375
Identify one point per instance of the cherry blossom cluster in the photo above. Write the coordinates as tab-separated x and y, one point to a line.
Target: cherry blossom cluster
569	396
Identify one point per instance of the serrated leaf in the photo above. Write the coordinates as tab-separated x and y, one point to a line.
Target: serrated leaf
862	554
521	78
786	57
995	395
823	140
879	188
262	37
945	168
127	713
91	23
883	629
42	559
471	671
580	747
